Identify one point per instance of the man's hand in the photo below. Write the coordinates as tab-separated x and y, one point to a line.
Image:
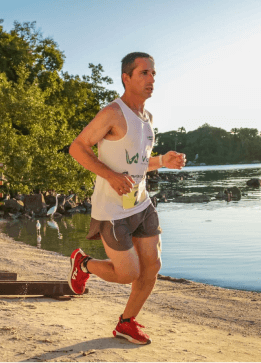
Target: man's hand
174	160
121	183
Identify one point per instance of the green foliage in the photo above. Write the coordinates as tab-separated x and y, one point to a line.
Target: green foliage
171	140
25	45
42	110
212	145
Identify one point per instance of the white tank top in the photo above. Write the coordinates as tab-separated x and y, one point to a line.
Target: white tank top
129	155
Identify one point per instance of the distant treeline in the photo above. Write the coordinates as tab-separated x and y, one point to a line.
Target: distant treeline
212	145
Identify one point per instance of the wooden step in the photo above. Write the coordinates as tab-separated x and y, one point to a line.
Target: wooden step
4	275
45	288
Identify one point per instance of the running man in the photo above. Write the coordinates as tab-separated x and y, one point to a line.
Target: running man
122	213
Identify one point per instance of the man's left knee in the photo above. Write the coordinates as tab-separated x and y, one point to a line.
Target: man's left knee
154	268
157	265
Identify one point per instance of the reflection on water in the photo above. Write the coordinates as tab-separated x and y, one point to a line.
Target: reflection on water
54	225
38	241
38	234
61	235
216	242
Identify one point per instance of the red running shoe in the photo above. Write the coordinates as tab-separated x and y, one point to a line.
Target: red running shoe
77	278
130	330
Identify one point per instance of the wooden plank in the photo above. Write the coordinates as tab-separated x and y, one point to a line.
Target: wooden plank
1	179
61	298
12	276
46	288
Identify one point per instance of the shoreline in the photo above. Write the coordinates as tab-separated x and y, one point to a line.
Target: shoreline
160	275
174	279
225	165
187	321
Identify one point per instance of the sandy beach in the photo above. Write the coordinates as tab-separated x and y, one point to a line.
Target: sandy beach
187	321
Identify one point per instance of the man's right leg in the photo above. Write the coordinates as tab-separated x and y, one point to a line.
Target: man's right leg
121	267
126	267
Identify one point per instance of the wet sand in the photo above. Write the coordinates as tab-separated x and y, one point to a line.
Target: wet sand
187	321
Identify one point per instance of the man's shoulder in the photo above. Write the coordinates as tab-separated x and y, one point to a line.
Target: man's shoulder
112	107
112	112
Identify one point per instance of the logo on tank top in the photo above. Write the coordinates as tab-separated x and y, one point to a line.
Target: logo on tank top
134	159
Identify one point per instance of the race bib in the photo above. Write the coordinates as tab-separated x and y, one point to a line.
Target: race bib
133	198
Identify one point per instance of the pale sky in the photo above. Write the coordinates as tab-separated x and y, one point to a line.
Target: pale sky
207	52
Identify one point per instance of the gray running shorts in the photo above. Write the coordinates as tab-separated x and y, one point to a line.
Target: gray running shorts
118	233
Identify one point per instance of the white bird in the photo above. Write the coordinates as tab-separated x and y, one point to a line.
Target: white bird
52	210
38	225
70	197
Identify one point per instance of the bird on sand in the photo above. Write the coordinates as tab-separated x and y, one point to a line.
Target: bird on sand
52	210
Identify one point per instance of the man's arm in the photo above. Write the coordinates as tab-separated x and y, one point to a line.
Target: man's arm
171	160
81	150
155	162
81	147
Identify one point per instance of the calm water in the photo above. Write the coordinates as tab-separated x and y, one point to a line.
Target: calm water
217	243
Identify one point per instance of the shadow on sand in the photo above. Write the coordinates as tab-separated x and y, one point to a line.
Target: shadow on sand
87	348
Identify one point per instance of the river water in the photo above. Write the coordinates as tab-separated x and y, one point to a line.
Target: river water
217	243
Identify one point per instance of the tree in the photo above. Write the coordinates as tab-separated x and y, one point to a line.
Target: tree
248	141
210	143
182	129
42	110
26	45
170	140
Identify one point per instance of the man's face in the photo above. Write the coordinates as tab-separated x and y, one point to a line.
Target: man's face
143	77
